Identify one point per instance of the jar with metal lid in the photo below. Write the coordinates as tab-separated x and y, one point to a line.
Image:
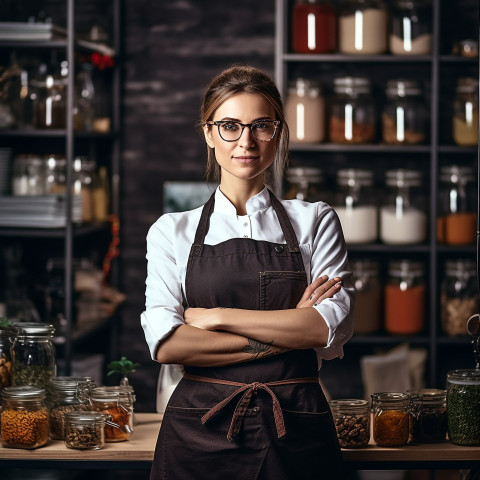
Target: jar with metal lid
83	180
6	338
33	354
352	113
305	111
116	401
313	26
463	406
405	298
67	394
430	424
356	205
352	422
404	117
457	215
368	293
24	420
403	217
411	27
55	175
305	183
362	27
459	297
465	112
85	430
28	176
49	104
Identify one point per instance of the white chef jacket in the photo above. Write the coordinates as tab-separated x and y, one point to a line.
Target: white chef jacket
321	244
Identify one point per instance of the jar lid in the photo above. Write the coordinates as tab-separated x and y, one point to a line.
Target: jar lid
65	383
461	266
32	160
34	329
391	397
405	268
351	85
54	162
122	393
302	86
456	174
467	85
354	177
464	377
363	270
86	417
349	405
310	174
24	392
402	87
430	395
403	178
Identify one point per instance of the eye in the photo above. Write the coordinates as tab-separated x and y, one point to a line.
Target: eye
230	126
262	126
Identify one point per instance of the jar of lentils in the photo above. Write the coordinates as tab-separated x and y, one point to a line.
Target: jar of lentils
352	421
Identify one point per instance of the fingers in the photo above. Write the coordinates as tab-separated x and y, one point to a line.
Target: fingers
319	290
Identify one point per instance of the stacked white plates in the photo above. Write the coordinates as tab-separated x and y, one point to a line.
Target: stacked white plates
5	154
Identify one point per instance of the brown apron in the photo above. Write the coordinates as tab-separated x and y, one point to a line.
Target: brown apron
262	419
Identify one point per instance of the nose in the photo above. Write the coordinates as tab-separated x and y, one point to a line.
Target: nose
246	138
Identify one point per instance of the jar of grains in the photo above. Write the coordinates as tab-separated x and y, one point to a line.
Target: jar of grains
430	424
352	422
6	338
465	112
463	406
305	183
85	430
24	420
116	401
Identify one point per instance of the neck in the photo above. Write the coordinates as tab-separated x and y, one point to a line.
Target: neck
240	191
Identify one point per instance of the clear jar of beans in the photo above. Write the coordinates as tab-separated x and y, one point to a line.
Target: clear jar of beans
352	421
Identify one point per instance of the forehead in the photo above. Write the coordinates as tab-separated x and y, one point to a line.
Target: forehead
245	107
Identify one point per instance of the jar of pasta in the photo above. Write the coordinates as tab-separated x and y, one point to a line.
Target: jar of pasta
465	112
85	430
430	424
352	422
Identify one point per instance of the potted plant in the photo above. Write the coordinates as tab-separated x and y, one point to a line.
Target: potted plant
124	367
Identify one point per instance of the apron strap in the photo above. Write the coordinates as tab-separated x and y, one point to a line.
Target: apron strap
203	226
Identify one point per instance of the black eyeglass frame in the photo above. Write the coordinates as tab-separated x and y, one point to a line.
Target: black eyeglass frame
219	123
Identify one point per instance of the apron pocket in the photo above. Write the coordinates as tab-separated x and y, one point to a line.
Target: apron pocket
281	289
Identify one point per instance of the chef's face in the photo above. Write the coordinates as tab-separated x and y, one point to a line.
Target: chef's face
246	158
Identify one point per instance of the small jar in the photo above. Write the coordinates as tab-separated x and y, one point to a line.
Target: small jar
368	293
28	176
304	183
352	422
6	338
83	180
404	117
403	219
465	113
459	297
457	220
49	105
313	26
429	425
85	430
116	401
411	27
352	115
24	420
362	27
33	354
463	406
355	205
405	298
55	175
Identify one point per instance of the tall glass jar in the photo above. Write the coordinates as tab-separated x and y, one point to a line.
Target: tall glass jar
305	183
24	420
430	424
404	117
405	298
352	422
352	115
49	105
83	181
362	27
457	220
411	27
465	112
6	337
28	175
463	406
403	219
313	26
459	298
355	205
33	354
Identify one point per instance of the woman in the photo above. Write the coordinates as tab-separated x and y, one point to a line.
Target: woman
228	297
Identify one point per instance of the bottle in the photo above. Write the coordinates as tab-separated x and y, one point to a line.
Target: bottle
101	195
85	430
83	181
430	425
352	422
465	112
305	183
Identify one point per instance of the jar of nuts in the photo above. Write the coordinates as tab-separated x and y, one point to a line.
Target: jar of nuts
352	421
85	430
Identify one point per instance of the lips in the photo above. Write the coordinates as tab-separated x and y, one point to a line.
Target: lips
245	159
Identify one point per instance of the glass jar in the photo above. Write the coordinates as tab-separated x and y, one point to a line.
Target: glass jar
304	183
28	176
459	300
352	422
403	219
305	111
404	117
85	430
362	27
33	354
457	220
366	314
356	206
56	175
6	338
83	181
116	401
24	420
313	26
411	27
49	105
465	112
352	115
430	424
463	406
67	394
405	298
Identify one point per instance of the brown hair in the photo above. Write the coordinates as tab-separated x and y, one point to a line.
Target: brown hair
245	79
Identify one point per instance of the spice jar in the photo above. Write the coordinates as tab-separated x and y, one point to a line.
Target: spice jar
463	406
366	314
356	206
305	111
411	27
116	401
459	300
430	424
6	337
83	181
465	112
457	220
352	115
352	422
24	420
362	27
49	104
403	219
55	176
33	354
313	26
304	183
85	430
404	117
28	176
405	298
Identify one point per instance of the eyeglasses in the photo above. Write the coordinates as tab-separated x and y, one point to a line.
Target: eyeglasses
262	130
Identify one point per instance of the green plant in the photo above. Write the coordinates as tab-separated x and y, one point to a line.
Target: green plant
124	367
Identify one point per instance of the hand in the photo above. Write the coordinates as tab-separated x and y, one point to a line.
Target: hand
319	290
200	317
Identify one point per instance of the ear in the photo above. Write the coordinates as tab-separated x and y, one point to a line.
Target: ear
207	132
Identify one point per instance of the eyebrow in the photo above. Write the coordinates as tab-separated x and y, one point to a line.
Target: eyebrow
239	121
